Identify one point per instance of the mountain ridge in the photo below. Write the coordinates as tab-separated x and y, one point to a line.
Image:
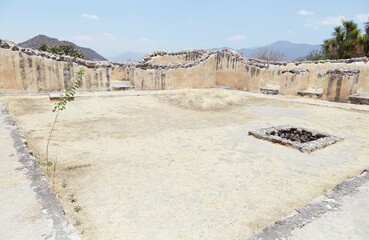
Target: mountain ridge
36	42
291	51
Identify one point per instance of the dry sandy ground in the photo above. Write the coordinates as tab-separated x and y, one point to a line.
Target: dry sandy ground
146	167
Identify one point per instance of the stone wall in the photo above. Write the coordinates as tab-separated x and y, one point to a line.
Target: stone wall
31	71
27	70
334	80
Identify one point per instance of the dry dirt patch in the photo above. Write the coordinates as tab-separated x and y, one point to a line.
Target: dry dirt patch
140	168
204	99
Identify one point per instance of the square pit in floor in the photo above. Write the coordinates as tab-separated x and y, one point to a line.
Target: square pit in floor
305	140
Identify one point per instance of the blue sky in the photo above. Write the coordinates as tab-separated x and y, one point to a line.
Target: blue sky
112	27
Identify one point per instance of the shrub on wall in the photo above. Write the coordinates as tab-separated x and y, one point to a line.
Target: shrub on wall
68	50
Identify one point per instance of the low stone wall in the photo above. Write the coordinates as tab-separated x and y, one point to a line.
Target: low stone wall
28	70
334	79
32	71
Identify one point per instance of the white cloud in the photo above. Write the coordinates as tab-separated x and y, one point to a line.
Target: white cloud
327	21
237	37
90	16
362	17
304	12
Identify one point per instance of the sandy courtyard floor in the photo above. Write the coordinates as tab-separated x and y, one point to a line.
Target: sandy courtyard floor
138	167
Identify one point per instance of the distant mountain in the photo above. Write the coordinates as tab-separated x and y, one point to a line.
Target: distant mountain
220	48
291	51
128	56
36	42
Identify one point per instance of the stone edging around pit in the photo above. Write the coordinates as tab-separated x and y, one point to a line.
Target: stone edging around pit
283	228
308	147
51	207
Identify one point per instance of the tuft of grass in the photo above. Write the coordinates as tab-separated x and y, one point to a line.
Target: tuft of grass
72	198
70	168
204	99
77	208
77	223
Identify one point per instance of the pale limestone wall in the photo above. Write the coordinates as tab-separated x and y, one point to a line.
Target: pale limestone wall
228	69
20	72
335	87
173	58
122	72
25	70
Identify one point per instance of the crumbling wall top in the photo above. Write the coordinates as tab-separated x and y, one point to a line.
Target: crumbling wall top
200	57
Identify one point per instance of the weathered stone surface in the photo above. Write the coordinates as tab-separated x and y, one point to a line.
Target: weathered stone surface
303	139
296	71
57	96
313	93
199	69
270	91
343	71
359	98
6	44
338	206
121	85
90	64
15	48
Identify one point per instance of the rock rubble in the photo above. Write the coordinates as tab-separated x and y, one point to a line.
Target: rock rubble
343	71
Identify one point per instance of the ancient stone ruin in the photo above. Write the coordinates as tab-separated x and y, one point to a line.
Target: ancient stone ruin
26	70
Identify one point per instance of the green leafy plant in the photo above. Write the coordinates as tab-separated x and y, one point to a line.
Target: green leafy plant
61	105
77	223
315	55
77	208
347	41
62	49
72	198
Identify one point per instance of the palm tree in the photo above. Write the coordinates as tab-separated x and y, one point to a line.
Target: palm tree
339	37
329	48
365	39
349	28
366	27
347	41
352	37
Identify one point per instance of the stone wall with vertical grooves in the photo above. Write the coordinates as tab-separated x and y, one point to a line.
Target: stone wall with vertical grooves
28	70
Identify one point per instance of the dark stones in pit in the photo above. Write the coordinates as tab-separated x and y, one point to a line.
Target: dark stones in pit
297	135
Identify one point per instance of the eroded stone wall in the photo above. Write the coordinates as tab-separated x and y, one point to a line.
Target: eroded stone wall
27	70
32	71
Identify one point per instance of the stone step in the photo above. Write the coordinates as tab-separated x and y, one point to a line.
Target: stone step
313	93
56	96
359	98
269	90
121	85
